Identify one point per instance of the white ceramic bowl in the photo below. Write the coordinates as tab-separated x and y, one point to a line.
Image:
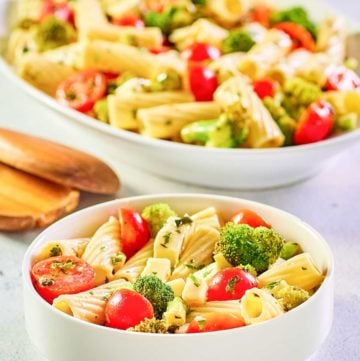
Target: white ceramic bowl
293	336
221	168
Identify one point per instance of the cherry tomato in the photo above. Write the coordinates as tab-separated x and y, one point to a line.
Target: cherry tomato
261	14
214	322
134	231
300	37
315	124
252	219
265	88
61	10
230	284
160	50
341	78
203	82
127	308
80	91
60	275
199	52
129	20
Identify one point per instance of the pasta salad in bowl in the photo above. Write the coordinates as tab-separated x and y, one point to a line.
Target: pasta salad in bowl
198	270
211	79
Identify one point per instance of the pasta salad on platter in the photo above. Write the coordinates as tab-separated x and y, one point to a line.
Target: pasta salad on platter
222	74
156	271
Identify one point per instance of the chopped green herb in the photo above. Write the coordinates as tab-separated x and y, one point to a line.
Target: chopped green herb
184	220
201	323
195	281
230	287
118	258
55	251
47	282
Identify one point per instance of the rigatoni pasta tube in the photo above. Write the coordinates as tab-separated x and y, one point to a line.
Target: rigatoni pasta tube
225	307
113	57
227	12
103	250
166	121
299	271
265	54
263	130
43	73
258	306
90	305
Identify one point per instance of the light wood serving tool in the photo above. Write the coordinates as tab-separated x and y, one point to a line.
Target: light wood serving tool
27	201
57	163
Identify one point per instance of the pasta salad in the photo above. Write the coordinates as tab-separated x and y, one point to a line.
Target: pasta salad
223	74
155	271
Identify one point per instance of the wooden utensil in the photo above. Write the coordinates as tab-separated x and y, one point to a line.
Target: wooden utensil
57	163
27	201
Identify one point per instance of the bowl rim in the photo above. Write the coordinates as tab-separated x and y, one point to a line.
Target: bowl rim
122	134
161	197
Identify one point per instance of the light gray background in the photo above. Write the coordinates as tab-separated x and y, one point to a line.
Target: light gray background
330	202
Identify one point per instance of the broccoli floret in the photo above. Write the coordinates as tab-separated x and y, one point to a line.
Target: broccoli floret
237	40
217	133
289	250
241	244
249	269
156	291
156	215
52	33
288	296
150	325
101	110
166	80
296	15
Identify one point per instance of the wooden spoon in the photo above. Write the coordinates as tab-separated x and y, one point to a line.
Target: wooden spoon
27	201
57	163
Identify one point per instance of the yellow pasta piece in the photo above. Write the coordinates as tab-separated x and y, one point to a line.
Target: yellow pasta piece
206	217
64	247
43	73
29	9
228	11
118	58
258	306
135	265
344	102
225	307
177	286
265	54
166	121
299	271
159	267
90	305
118	9
103	252
67	55
263	130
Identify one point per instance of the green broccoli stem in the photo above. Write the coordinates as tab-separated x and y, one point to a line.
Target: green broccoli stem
198	132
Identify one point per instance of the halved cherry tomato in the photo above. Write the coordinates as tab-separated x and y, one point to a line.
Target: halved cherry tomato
160	50
230	284
129	20
203	82
61	10
134	231
342	78
300	37
315	124
127	308
60	275
261	14
252	219
82	90
214	322
265	88
199	52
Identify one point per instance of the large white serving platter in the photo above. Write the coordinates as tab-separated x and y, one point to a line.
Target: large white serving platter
221	168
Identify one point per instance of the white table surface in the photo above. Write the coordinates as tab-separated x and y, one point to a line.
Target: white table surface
330	202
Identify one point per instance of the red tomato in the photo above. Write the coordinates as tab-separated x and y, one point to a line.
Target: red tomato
60	275
261	14
341	78
246	216
127	308
230	284
129	20
265	88
81	90
61	10
199	52
203	82
299	35
214	322
162	49
315	124
134	231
